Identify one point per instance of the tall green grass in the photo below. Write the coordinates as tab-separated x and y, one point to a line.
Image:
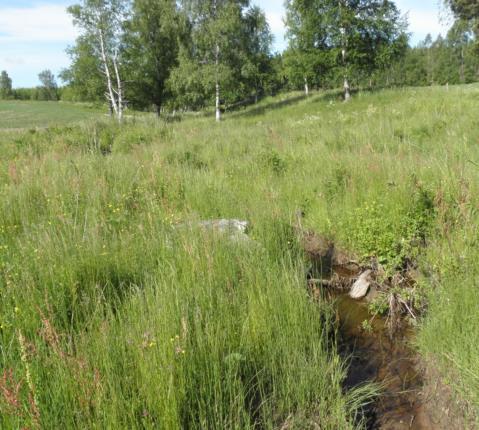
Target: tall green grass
113	318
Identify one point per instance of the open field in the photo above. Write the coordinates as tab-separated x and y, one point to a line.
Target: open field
24	114
112	317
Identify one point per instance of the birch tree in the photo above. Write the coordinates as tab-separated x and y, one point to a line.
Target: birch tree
152	42
366	32
466	11
102	22
348	37
307	53
212	61
49	88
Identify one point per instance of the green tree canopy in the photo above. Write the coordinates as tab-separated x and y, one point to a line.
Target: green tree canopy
352	37
48	89
151	44
467	10
84	78
225	57
5	85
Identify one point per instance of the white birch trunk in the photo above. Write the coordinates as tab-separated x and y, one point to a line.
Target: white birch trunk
346	87
217	69
306	87
347	90
119	91
344	43
218	110
106	70
218	94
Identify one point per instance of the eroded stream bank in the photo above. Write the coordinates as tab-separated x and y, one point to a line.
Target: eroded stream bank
374	354
377	348
376	343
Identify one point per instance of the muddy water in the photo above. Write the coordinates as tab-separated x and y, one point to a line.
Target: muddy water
376	356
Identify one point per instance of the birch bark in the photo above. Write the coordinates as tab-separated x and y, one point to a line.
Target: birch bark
119	90
106	71
217	86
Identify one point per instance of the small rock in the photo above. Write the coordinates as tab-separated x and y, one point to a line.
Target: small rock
361	287
235	230
225	225
229	226
319	252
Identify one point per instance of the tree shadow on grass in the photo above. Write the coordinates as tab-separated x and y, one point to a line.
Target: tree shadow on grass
323	96
265	107
248	108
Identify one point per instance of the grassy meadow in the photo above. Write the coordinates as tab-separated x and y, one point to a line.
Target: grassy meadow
110	317
23	115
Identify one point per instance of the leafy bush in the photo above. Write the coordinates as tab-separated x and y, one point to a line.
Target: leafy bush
394	236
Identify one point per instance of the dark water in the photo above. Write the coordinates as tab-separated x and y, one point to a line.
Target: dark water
376	356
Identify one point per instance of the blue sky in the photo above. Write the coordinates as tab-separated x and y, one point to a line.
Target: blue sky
35	33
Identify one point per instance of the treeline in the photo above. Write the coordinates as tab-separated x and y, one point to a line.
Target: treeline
451	60
365	44
47	91
157	54
190	54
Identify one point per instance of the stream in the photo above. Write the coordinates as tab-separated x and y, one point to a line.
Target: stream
375	356
375	352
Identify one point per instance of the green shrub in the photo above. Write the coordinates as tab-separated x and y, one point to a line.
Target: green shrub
394	235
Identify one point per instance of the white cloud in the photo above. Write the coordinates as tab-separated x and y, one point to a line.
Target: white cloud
34	61
12	61
425	17
423	22
34	38
47	23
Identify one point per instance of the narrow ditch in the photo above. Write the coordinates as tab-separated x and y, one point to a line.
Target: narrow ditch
377	355
378	349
